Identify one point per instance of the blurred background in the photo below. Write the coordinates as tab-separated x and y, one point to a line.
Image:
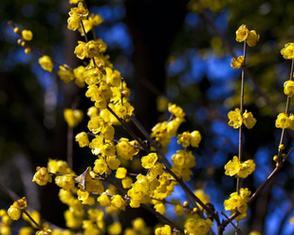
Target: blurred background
177	49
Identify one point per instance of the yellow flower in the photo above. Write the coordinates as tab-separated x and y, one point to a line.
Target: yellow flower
160	208
241	169
238	201
90	23
118	202
82	139
76	15
126	149
233	167
46	63
289	88
114	229
27	35
255	233
237	63
183	162
104	200
248	119
127	182
252	38
195	139
90	49
85	197
74	1
282	121
149	160
65	73
58	167
121	173
15	210
25	231
186	139
42	177
65	181
100	166
235	118
242	33
176	110
288	51
14	213
247	168
196	225
73	117
164	230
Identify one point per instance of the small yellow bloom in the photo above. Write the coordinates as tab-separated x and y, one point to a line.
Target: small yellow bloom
118	202
14	213
82	139
27	35
15	210
252	38
149	160
235	118
127	182
160	208
73	117
25	231
238	202
242	33
288	51
196	225
65	73
42	177
237	63
282	121
241	169
289	88
248	119
104	200
164	230
121	173
100	166
114	229
46	63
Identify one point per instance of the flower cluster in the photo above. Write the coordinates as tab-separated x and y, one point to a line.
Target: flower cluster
131	172
236	119
238	201
285	121
243	34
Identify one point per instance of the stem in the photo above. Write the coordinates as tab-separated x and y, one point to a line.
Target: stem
288	101
240	147
38	226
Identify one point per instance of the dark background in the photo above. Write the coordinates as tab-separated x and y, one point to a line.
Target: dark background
168	48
